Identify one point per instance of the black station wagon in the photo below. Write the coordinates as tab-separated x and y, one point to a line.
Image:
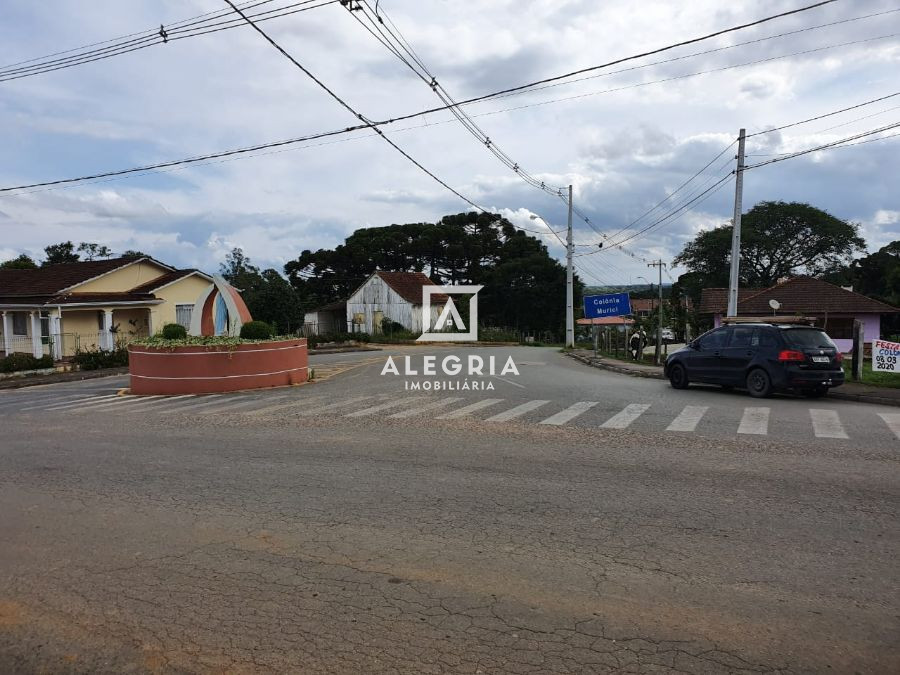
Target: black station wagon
763	358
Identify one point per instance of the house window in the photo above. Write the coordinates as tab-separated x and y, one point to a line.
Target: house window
45	326
183	315
840	329
20	323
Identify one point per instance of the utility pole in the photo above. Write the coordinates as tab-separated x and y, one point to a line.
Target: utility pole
570	294
736	228
660	264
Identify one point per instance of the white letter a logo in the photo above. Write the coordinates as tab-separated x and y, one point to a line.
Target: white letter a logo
449	316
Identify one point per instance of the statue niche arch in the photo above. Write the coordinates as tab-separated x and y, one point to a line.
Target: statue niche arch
220	310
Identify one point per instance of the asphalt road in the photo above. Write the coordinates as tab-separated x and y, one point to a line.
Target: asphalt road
567	520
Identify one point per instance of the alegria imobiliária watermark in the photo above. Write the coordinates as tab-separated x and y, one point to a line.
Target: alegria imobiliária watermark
471	372
449	316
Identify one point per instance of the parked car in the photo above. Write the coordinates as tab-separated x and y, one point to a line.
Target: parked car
763	358
668	335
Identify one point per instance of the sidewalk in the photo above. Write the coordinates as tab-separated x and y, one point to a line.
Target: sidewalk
55	378
851	391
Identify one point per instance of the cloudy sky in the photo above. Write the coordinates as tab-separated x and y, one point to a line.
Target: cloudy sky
623	139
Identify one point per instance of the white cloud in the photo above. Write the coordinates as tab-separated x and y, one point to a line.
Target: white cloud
623	151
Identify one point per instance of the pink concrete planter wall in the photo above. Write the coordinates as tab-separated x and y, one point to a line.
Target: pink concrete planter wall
209	369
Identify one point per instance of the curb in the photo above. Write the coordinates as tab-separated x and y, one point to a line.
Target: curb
600	363
837	395
863	398
60	377
341	350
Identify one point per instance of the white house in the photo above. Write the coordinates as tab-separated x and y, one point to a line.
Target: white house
392	295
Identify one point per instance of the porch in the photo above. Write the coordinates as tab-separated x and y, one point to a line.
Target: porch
62	331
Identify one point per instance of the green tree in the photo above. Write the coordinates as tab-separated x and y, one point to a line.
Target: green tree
524	286
92	251
63	252
268	295
778	239
131	253
23	262
876	275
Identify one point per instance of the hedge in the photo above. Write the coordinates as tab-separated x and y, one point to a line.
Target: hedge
16	362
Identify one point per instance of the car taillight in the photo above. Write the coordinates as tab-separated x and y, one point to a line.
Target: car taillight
839	357
791	355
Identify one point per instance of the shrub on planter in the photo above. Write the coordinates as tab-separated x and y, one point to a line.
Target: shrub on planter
257	330
174	331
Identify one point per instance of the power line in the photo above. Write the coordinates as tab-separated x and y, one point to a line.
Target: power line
659	50
676	78
675	191
103	42
703	53
825	146
368	124
144	40
347	106
390	36
698	198
830	114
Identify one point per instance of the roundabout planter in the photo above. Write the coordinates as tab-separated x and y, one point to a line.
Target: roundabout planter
213	369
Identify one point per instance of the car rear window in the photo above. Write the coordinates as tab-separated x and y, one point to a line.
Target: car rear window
808	337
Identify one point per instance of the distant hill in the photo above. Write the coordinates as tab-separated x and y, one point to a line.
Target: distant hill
633	288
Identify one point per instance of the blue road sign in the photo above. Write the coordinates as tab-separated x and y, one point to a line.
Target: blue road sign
598	306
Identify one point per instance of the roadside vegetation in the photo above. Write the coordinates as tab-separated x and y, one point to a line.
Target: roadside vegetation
18	362
875	379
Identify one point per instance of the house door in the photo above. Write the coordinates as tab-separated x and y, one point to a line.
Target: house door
377	319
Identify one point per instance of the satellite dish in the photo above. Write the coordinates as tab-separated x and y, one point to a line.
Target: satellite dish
774	304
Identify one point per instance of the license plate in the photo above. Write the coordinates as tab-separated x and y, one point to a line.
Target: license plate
821	359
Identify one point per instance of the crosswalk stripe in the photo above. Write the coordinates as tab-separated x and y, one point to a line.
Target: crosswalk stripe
120	401
569	413
755	421
624	418
32	402
518	411
688	419
336	406
826	423
237	405
425	408
205	400
83	401
893	422
150	401
304	401
383	406
468	409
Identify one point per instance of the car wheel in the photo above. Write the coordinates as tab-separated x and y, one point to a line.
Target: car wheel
678	376
759	384
817	392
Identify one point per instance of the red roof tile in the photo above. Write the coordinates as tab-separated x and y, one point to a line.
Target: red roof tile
798	295
606	321
408	285
52	279
77	298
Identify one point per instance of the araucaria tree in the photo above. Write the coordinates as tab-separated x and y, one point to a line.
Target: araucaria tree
778	239
523	286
